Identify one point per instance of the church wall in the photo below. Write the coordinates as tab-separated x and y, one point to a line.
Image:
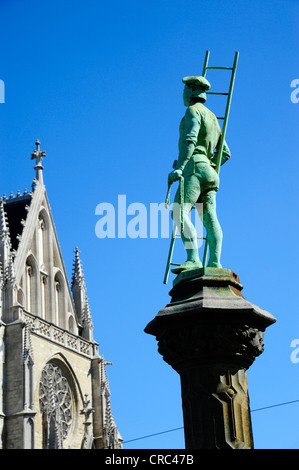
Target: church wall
20	411
14	386
98	404
2	364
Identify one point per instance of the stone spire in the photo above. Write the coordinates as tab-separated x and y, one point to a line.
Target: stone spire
80	297
27	346
10	271
4	230
5	241
38	155
78	276
86	318
112	438
7	262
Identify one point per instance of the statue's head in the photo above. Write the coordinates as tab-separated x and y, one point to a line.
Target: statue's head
195	87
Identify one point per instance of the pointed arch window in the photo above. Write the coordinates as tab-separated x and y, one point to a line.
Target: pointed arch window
41	227
29	286
29	434
71	324
43	295
57	300
60	308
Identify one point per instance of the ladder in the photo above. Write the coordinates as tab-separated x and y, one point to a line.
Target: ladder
229	94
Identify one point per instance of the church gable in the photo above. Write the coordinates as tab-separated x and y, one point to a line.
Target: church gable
39	276
47	336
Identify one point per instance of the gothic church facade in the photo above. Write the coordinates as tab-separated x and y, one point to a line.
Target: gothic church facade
54	390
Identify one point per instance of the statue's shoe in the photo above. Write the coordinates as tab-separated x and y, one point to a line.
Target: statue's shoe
188	265
214	265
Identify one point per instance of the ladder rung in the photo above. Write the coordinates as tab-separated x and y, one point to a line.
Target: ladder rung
214	93
220	118
175	264
220	68
198	238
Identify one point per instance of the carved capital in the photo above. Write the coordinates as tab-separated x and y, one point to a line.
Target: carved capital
208	321
184	343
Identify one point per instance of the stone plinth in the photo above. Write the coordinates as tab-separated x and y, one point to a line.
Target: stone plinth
210	334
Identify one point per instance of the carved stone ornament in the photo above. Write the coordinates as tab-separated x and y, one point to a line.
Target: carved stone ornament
210	344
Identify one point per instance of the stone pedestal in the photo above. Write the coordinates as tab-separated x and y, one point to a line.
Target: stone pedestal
211	335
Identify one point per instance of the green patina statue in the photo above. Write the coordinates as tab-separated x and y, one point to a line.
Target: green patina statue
198	143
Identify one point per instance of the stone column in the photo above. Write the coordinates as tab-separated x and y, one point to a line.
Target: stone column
98	415
211	335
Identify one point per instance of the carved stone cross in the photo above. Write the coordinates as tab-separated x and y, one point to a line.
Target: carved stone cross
38	155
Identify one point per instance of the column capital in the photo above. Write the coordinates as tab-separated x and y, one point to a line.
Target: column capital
208	321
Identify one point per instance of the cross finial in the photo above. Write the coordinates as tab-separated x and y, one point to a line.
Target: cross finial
38	155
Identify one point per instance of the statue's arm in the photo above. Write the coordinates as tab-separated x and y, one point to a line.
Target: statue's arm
189	139
187	143
225	154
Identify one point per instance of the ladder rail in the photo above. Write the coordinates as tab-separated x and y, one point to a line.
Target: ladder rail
170	253
205	64
223	134
172	242
227	111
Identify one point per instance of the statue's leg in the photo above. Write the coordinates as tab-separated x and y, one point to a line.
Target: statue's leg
213	229
189	235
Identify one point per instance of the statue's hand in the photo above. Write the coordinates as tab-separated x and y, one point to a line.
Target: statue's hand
174	176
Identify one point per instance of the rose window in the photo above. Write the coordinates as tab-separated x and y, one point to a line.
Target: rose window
55	403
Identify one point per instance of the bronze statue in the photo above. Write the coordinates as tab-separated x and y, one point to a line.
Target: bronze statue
199	139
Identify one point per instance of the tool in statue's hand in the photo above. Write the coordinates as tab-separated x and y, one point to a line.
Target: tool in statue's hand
181	179
168	196
174	165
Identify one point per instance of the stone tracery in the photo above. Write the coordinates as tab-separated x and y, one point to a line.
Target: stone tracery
55	400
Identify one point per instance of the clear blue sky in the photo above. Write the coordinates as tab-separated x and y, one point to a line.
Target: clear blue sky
99	84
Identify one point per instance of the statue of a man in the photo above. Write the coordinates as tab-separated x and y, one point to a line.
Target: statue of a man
199	139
